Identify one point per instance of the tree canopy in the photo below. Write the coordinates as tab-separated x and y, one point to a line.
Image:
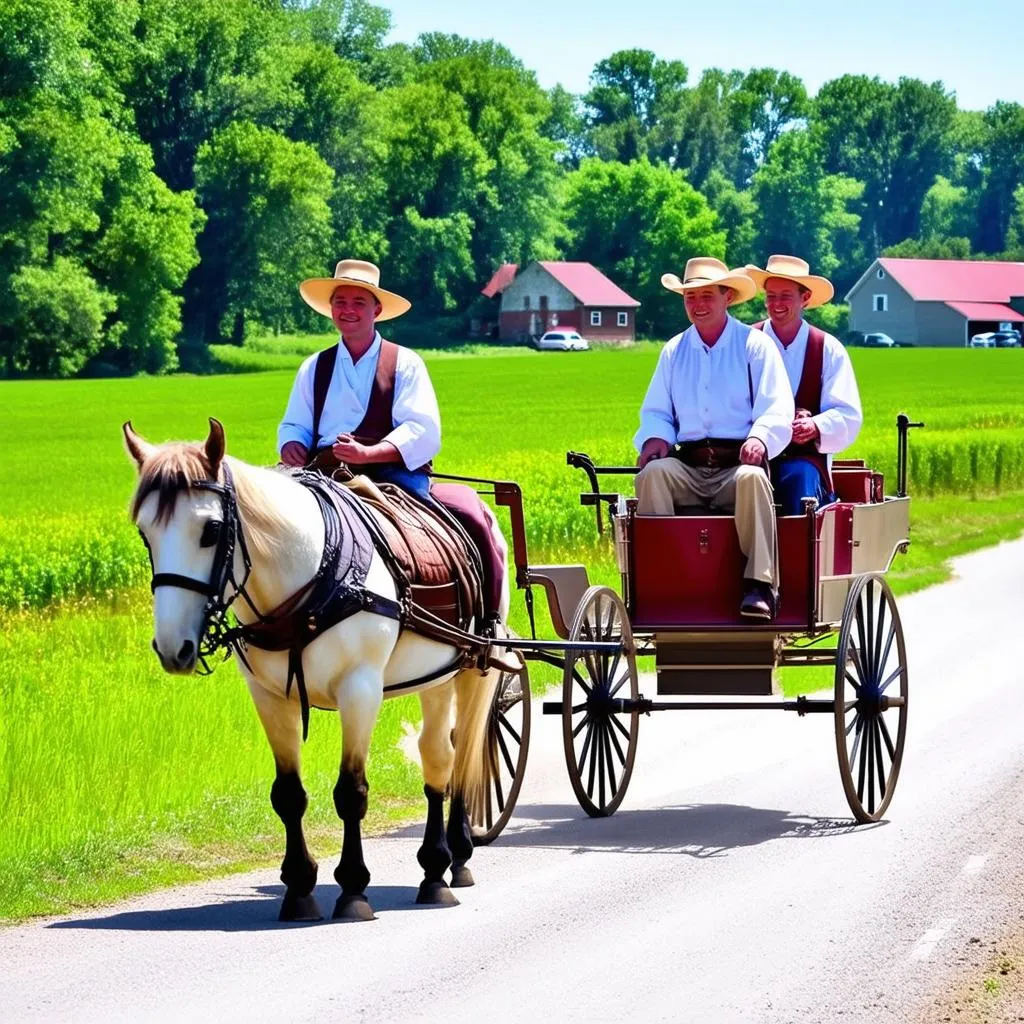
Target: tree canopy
170	169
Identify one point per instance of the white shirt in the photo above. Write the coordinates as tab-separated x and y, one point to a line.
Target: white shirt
699	392
841	417
414	412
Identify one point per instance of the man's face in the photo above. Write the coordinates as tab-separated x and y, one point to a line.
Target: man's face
354	309
706	307
785	301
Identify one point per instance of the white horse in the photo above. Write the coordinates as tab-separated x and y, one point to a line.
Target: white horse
181	511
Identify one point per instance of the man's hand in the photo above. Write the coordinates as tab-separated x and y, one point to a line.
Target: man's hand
805	429
294	453
654	448
350	451
753	452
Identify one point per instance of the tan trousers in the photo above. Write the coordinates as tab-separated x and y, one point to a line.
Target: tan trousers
665	484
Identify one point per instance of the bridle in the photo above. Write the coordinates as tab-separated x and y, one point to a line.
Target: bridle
215	633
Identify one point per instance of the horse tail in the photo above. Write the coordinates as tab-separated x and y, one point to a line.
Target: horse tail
474	695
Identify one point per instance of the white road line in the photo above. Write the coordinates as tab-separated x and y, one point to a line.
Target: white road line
974	865
926	944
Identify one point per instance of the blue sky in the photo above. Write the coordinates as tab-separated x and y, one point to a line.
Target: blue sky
969	46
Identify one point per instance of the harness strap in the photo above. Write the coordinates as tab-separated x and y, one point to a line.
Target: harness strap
173	579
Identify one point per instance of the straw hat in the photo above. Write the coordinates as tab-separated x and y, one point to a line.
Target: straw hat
702	271
790	268
317	291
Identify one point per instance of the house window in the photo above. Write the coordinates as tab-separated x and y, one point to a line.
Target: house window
880	303
622	319
880	274
526	302
595	318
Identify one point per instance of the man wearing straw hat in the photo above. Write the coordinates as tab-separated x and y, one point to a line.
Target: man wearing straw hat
365	403
828	411
717	409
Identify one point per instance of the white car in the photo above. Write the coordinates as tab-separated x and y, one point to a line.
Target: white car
562	341
986	340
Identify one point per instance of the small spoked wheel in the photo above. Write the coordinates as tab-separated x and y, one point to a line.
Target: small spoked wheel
508	742
870	697
599	735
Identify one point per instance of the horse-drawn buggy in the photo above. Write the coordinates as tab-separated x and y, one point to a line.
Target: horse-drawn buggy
678	604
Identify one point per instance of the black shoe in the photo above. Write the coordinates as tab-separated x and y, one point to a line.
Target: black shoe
758	601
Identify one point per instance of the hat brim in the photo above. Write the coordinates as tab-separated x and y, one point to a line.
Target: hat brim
317	292
820	287
741	284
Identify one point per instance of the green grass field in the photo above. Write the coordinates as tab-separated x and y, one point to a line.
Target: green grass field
115	777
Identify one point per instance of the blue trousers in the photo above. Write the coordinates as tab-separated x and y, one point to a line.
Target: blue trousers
796	479
416	481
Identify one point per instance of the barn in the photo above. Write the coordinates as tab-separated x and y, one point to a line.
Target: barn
938	303
548	294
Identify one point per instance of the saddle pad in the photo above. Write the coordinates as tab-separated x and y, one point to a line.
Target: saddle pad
431	549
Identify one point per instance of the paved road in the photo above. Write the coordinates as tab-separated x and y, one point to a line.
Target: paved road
730	886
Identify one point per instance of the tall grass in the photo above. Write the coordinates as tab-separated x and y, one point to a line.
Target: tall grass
63	531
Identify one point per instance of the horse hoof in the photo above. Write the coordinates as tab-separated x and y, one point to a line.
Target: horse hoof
436	894
462	877
353	908
300	908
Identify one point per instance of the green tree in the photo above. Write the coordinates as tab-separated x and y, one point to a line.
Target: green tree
267	203
1003	174
803	211
635	222
767	103
737	215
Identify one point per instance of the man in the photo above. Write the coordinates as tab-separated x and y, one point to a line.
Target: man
717	409
828	411
365	403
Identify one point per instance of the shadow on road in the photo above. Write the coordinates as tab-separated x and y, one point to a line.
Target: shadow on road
241	915
695	830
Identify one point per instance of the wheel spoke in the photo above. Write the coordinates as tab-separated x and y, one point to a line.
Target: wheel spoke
889	678
884	729
869	751
869	635
615	740
502	720
577	708
614	719
586	720
853	682
879	630
862	647
888	647
586	746
881	761
600	766
622	680
509	763
593	759
858	755
612	784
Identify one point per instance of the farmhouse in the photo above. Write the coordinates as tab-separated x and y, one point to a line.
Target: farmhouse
937	302
546	295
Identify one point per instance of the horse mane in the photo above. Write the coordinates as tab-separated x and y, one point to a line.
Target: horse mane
170	470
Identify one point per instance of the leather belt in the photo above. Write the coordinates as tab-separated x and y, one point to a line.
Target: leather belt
709	453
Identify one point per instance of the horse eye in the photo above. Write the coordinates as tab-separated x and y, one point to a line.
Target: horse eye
211	532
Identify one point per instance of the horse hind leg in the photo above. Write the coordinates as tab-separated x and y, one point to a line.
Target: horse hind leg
437	757
298	869
474	694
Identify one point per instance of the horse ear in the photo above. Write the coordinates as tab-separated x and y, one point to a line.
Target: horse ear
138	448
215	446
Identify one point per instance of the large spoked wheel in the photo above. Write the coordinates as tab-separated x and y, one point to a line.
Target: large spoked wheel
508	742
870	697
599	736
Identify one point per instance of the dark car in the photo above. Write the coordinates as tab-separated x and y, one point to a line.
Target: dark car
1007	339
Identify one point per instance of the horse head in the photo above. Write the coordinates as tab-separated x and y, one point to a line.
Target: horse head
180	509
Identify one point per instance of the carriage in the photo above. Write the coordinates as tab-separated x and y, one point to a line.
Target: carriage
678	604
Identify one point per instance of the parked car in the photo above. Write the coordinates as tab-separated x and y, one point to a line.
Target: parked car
987	339
1007	339
562	341
878	340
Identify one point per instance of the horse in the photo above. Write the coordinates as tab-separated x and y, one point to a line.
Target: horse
218	529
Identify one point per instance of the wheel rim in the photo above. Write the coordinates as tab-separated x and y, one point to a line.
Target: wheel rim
600	741
507	745
870	697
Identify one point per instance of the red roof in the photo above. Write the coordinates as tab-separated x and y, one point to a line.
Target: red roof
502	278
588	284
956	280
986	311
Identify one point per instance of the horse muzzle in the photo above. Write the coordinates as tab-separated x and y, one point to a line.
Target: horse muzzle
183	662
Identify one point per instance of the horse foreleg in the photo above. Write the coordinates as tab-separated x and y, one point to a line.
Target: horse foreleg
359	702
298	869
437	757
280	719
